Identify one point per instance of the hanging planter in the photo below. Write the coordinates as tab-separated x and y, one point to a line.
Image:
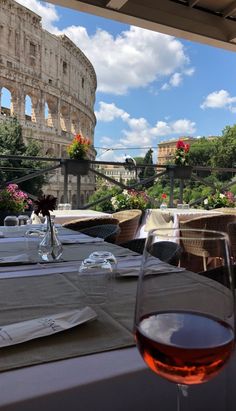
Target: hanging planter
176	171
76	167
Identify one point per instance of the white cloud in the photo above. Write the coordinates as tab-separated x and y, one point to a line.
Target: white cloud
177	78
219	99
109	112
139	131
132	59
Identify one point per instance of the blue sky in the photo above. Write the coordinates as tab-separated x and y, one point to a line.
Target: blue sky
151	87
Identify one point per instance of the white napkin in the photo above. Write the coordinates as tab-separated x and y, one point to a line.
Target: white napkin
40	327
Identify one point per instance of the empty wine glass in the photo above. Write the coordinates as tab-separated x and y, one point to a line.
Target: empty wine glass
184	319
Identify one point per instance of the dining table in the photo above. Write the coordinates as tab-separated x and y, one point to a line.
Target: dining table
64	216
95	365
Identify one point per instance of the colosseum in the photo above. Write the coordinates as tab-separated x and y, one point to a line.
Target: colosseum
58	82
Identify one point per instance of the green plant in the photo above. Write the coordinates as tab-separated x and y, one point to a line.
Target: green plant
79	147
130	199
219	199
13	199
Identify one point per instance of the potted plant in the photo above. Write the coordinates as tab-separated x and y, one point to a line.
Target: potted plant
130	199
13	201
219	200
78	152
181	168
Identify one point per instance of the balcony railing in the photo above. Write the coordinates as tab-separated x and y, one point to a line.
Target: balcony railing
93	166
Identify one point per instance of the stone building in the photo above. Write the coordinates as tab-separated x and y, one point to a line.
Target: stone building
57	79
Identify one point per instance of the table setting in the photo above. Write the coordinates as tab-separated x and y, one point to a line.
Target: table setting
88	321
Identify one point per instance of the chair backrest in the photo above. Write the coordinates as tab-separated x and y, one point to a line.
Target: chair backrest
167	251
217	222
108	232
136	245
129	221
80	224
232	237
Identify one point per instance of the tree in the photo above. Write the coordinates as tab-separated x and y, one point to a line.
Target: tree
225	151
11	143
147	171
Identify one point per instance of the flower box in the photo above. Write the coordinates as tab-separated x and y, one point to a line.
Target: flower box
176	171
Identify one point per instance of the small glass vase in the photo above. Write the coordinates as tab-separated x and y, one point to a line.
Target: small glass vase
50	248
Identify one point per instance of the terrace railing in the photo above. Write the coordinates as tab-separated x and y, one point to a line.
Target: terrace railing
85	166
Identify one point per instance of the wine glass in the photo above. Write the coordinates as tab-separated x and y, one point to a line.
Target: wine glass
184	317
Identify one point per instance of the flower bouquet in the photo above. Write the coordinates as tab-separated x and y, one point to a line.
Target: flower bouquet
50	248
182	153
79	147
163	201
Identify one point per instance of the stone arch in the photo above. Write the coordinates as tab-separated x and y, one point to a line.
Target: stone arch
6	101
75	123
28	107
65	117
50	152
64	153
52	114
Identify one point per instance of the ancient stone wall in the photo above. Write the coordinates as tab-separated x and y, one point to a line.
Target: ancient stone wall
58	80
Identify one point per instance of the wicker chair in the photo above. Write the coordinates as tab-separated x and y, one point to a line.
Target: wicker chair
167	251
108	232
129	221
232	236
136	245
199	247
80	224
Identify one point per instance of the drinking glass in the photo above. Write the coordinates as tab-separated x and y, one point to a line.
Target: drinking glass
10	221
184	318
95	276
107	255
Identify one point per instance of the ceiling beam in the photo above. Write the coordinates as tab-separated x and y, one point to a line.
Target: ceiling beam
166	17
116	4
192	3
228	11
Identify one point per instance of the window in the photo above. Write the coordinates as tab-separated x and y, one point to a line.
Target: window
32	49
64	66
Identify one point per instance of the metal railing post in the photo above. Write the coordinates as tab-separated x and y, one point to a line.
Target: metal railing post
65	183
78	191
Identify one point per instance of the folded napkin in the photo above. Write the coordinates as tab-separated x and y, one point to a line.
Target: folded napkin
131	267
41	327
79	239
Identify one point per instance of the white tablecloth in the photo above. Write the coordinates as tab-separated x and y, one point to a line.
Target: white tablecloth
63	216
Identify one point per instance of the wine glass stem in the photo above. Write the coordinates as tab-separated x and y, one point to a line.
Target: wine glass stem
182	397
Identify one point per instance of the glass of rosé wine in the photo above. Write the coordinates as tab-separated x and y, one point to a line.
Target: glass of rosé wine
184	317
